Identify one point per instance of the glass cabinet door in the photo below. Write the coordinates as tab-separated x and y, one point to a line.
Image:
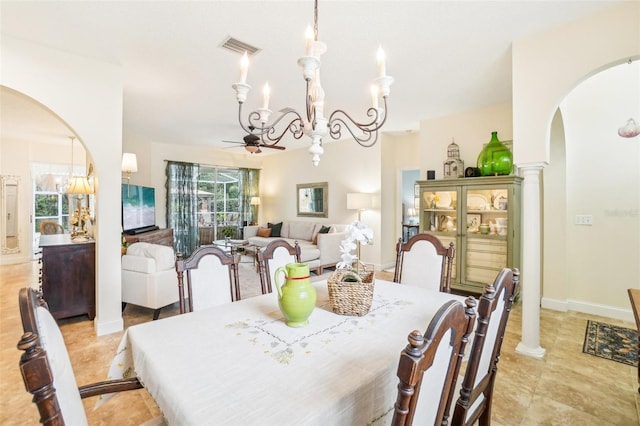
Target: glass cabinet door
440	217
441	212
486	233
481	216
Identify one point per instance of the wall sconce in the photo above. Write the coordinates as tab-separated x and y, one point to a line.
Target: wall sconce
129	165
255	202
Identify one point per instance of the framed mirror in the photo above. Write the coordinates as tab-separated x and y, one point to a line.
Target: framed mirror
312	199
10	188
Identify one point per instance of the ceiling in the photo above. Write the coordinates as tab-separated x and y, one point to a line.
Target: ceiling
445	56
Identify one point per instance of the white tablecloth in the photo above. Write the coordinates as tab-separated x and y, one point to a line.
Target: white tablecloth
240	364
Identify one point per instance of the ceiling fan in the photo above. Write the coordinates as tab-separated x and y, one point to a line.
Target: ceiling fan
253	144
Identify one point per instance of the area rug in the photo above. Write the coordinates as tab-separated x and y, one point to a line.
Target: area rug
611	342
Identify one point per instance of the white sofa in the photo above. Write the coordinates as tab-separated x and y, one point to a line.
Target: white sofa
323	254
149	276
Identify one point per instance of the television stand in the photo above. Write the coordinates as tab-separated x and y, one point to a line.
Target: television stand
158	236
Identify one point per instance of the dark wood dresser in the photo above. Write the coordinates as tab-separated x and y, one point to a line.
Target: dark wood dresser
68	276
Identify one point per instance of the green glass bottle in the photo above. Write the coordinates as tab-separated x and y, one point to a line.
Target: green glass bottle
495	158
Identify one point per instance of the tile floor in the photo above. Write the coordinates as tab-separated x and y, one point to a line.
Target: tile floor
567	387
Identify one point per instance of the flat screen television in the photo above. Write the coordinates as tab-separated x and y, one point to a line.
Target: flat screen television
138	209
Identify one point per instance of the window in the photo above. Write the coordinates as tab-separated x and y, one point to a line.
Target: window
218	197
207	203
49	200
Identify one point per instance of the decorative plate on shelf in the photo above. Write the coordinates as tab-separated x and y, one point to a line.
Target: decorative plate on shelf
443	200
500	198
476	202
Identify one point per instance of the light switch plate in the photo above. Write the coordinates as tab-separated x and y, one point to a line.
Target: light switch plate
584	219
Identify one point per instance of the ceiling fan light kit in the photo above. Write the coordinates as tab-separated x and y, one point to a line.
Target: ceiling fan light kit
313	123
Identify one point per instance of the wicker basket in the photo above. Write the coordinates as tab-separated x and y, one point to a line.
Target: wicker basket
349	297
366	276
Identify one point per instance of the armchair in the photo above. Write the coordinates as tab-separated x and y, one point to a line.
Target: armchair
149	277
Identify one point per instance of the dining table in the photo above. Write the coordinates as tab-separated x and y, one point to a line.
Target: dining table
240	364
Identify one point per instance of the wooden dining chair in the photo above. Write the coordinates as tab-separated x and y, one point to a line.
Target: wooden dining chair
211	278
476	391
46	367
277	253
424	261
433	361
49	227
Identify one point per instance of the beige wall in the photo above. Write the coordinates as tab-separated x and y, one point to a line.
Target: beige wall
470	129
547	66
558	61
345	165
554	219
86	95
399	152
602	176
152	164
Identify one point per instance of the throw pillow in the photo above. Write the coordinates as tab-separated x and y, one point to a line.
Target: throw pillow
264	232
275	228
324	229
315	238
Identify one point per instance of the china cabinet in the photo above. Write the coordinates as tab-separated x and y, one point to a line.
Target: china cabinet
481	216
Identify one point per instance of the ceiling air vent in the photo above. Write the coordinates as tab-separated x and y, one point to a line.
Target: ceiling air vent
238	46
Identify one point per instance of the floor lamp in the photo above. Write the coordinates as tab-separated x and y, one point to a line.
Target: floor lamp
359	201
255	202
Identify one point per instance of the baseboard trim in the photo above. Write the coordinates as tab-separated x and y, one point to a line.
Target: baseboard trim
109	327
588	308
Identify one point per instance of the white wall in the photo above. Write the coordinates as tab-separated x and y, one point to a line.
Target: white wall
88	96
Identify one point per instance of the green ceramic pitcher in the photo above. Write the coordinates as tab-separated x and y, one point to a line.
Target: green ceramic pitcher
296	296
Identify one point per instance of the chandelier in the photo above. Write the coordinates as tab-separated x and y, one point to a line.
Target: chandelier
313	122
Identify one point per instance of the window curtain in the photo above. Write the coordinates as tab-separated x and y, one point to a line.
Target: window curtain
182	205
250	187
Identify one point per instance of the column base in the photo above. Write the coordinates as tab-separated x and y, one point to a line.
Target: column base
523	349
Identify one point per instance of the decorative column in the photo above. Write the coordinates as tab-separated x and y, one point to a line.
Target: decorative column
531	263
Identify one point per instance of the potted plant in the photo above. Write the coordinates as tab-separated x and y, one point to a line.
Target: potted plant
228	231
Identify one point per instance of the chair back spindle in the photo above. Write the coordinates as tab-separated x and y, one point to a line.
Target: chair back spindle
476	390
433	360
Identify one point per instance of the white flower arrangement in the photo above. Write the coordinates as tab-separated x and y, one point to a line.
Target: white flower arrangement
356	232
79	218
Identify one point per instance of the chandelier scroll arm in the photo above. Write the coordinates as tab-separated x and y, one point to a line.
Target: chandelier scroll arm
368	137
295	127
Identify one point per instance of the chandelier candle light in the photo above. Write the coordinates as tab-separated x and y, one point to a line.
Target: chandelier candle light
313	123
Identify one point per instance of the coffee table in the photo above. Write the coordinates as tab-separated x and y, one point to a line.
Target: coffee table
237	246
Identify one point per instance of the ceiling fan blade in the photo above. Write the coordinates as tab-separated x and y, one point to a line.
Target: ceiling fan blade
281	148
236	142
